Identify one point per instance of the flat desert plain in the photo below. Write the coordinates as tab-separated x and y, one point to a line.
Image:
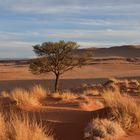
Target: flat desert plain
18	75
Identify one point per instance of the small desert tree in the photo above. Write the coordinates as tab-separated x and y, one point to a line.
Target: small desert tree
56	57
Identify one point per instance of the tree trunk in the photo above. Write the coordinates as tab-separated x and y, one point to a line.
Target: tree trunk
56	82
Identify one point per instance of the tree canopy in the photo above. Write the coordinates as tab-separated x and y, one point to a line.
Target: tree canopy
56	57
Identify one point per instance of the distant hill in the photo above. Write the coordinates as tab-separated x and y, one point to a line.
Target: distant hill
128	51
116	51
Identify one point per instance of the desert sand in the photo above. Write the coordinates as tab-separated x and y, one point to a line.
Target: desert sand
66	118
13	75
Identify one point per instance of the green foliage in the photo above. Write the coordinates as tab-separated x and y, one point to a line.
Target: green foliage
56	57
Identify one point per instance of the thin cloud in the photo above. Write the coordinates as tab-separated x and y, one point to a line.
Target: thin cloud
88	22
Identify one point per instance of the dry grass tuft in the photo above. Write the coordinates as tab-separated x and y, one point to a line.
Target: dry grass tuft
125	86
4	94
23	97
93	92
21	128
67	95
39	92
103	129
91	104
31	129
56	95
125	109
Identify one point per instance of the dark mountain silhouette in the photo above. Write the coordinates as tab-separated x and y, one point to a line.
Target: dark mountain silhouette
116	51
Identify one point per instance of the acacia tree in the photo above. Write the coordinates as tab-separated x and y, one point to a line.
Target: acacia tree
56	57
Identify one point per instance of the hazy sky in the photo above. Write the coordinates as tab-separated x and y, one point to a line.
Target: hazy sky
92	23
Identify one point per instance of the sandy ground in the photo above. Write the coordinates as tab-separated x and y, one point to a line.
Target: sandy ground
67	119
21	72
12	76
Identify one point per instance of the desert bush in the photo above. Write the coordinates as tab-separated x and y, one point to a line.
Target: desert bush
125	109
103	129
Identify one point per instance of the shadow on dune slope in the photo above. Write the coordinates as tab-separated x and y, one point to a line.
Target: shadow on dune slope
7	85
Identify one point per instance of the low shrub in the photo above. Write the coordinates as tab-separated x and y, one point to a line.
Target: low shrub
103	129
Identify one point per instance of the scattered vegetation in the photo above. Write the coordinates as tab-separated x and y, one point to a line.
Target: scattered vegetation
125	109
124	112
124	86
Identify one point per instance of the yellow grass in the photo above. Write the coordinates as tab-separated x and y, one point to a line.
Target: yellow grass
65	95
26	130
21	128
4	94
30	97
39	92
90	104
124	108
68	95
93	92
23	97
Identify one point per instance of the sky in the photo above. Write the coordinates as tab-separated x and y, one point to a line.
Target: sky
91	23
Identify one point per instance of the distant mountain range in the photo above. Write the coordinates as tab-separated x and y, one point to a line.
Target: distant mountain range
116	51
128	51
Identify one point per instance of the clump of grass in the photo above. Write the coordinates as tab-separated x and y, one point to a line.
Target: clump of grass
103	129
24	97
31	129
56	95
93	92
91	104
21	128
126	86
134	82
125	109
39	92
67	95
27	97
4	94
111	84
